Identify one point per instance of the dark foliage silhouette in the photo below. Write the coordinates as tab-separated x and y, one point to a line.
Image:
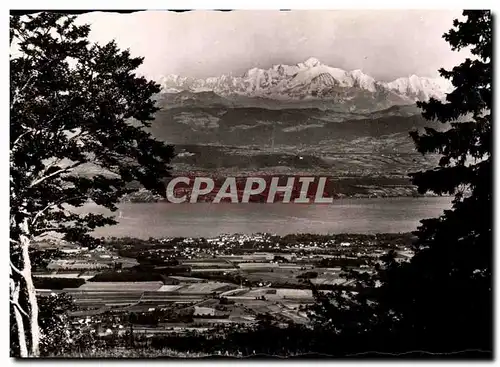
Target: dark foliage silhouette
74	106
441	300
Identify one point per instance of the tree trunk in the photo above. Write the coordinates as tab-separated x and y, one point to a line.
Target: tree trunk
21	337
32	301
30	289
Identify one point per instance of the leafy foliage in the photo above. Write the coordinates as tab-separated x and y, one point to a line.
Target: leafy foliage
76	105
78	114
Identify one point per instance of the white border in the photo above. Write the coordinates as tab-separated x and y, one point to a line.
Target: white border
255	4
195	4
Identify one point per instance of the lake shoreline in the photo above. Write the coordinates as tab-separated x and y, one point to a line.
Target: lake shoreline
347	215
335	187
144	196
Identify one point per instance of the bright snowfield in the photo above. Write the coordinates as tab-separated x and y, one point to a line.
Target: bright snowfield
310	80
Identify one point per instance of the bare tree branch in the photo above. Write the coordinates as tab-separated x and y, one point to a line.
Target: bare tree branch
16	269
18	306
53	174
37	215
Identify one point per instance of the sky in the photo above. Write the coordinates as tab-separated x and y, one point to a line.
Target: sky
385	44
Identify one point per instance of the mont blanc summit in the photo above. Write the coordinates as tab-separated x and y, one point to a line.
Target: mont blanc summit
313	80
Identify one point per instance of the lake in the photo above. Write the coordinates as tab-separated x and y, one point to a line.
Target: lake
376	215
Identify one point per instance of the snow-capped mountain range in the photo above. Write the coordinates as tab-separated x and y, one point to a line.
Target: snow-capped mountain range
313	81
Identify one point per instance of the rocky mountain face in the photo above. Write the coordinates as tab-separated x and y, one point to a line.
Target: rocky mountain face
310	84
307	119
304	119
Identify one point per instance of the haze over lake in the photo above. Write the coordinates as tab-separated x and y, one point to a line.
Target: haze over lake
377	215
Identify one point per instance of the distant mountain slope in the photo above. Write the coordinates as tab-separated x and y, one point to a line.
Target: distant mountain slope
312	127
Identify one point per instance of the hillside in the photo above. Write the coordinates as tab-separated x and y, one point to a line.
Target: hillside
304	119
244	126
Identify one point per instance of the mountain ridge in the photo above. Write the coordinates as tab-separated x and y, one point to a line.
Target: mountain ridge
312	82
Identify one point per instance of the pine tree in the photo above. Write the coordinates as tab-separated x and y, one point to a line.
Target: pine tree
75	107
452	267
441	300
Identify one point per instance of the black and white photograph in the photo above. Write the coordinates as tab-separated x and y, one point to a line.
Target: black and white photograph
251	184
